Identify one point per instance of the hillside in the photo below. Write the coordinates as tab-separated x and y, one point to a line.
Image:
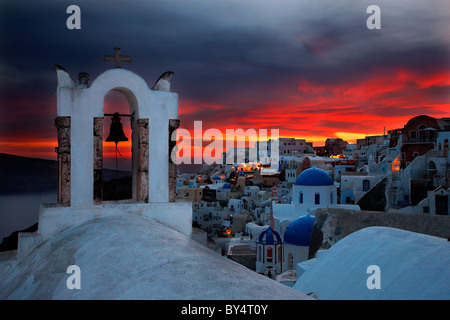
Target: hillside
31	175
27	175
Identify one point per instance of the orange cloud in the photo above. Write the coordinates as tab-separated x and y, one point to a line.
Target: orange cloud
385	99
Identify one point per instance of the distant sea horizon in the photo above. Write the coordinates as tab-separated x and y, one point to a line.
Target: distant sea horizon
181	168
27	182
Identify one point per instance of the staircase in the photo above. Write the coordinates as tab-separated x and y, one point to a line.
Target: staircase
392	195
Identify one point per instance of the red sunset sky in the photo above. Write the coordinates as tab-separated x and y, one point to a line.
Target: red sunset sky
312	70
351	111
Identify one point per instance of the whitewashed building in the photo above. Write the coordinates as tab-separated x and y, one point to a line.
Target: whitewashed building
269	252
313	189
296	241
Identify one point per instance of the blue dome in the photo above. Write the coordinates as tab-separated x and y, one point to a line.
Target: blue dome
299	231
217	178
314	177
269	233
226	186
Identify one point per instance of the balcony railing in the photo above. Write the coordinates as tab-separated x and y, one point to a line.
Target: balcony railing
420	140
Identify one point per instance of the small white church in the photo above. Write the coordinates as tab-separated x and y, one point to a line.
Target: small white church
277	255
313	189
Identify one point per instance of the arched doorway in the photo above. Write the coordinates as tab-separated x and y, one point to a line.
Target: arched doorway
421	132
117	169
80	115
126	178
431	169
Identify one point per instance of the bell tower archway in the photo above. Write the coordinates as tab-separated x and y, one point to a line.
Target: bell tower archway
80	111
118	140
79	123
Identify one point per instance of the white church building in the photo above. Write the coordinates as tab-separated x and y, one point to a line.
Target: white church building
313	189
269	252
277	255
293	222
296	241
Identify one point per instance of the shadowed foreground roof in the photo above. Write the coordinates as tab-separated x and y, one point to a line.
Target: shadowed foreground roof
134	257
412	266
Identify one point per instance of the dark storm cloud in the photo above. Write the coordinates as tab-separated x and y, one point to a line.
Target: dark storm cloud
239	54
207	56
211	46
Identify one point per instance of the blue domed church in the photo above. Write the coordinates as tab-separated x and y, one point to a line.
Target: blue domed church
269	252
296	241
274	255
313	189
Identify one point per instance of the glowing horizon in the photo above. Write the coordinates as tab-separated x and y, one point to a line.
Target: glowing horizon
294	66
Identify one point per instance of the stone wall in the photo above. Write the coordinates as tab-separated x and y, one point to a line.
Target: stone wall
173	125
98	160
142	191
246	260
331	225
63	127
244	255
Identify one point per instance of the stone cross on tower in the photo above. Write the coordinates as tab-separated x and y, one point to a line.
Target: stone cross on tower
117	58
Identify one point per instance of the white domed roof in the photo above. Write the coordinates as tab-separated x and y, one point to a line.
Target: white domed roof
134	257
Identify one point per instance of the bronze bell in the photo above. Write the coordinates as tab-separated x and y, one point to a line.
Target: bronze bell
116	133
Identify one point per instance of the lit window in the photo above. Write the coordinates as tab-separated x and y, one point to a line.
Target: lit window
269	254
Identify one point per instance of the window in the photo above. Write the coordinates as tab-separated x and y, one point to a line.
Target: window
331	197
290	261
413	134
366	185
269	254
421	131
301	197
317	198
415	154
441	204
